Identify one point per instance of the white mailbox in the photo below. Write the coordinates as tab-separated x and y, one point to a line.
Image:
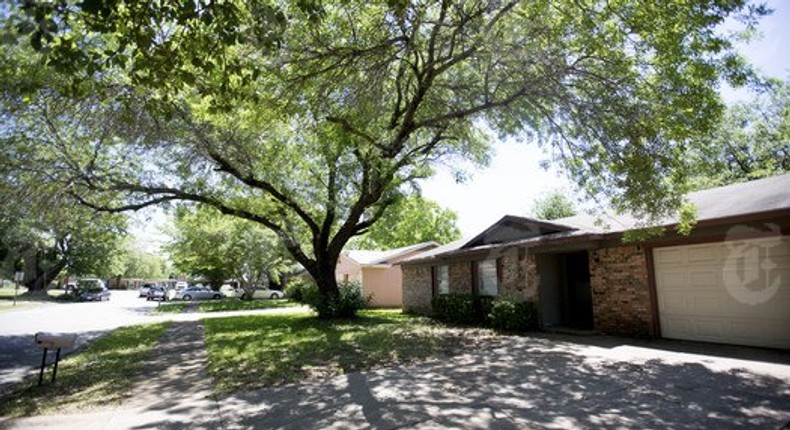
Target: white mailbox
55	340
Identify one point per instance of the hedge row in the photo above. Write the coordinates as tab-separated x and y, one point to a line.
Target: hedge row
469	309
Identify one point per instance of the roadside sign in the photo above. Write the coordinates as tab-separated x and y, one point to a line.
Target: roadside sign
18	277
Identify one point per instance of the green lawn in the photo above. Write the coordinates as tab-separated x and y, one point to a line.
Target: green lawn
101	374
265	350
24	301
225	305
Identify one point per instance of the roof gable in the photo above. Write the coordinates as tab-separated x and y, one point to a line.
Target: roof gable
369	257
513	228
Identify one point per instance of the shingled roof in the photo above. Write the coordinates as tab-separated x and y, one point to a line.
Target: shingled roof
759	197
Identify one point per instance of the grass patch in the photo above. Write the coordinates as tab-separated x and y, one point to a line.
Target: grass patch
101	374
265	350
226	305
26	301
9	306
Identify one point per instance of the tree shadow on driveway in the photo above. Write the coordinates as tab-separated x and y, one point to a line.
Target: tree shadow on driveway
540	382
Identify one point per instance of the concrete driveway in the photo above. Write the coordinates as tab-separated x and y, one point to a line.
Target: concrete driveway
549	382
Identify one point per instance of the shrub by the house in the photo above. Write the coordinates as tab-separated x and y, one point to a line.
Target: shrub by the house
344	305
296	288
513	316
461	308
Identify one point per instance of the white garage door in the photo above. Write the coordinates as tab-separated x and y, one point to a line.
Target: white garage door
728	292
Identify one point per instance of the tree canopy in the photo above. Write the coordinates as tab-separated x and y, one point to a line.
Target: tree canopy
206	244
554	205
412	220
751	141
312	118
45	235
141	264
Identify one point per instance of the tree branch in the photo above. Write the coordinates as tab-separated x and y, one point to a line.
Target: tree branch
226	166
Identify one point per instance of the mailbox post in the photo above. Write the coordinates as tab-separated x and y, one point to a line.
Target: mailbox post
53	341
18	277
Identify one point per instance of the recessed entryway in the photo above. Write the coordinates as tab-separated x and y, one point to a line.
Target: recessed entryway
564	288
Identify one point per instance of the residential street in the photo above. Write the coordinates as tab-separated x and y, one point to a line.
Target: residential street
18	353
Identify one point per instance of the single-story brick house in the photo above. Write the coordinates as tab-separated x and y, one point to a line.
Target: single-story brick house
726	282
378	273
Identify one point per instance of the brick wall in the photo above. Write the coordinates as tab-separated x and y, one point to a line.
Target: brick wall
531	268
519	281
620	292
460	277
518	278
417	289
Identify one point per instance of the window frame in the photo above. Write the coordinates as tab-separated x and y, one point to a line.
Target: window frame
480	278
436	284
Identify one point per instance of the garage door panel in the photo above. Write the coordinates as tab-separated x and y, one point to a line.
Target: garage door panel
705	254
673	304
672	280
711	328
729	292
705	278
706	304
779	250
678	325
667	256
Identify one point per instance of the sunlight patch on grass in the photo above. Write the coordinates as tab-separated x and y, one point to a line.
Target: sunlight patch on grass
8	305
100	375
226	305
7	294
267	350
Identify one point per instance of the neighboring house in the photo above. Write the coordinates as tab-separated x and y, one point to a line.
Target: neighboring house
727	282
378	272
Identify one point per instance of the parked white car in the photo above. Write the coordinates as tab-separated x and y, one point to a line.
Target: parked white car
263	293
229	291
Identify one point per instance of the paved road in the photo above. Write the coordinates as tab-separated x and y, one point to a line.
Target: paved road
18	354
124	308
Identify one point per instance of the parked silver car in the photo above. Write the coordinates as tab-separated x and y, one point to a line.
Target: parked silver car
263	293
197	293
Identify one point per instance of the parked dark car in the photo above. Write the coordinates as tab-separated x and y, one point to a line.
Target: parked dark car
94	294
156	293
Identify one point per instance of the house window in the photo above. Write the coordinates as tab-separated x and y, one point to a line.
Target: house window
487	277
441	280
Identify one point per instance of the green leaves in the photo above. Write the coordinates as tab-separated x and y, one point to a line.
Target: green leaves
310	117
410	221
752	141
219	248
554	205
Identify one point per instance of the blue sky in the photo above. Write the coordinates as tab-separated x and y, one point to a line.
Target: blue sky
514	179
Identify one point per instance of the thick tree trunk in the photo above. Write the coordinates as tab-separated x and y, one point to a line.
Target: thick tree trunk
323	273
39	281
247	289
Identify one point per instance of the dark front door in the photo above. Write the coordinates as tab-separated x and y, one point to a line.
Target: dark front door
578	306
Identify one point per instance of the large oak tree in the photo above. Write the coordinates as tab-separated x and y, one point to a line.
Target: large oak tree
310	118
